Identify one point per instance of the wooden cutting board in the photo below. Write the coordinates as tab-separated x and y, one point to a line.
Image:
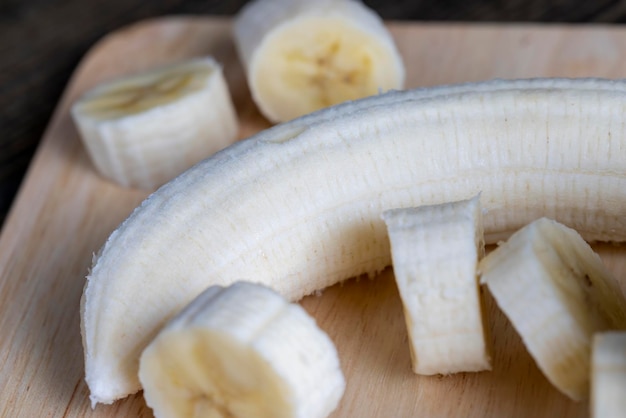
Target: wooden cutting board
64	212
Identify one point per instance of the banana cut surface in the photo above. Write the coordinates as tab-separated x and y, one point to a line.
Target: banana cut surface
303	55
298	207
142	130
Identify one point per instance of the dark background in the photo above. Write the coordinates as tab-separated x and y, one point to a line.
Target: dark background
41	41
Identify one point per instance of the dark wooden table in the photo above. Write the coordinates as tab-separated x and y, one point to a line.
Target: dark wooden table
41	41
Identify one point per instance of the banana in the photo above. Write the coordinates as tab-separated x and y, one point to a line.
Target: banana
143	130
298	207
241	351
608	375
302	55
435	252
557	293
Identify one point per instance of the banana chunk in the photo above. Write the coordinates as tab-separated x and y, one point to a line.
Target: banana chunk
435	251
241	351
143	130
303	55
557	293
608	375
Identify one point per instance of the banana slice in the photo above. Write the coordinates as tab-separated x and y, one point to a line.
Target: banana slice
435	251
303	55
241	351
145	129
557	293
608	375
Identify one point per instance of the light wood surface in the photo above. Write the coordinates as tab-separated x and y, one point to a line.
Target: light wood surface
64	212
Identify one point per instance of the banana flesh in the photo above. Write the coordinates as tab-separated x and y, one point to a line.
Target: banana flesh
557	293
435	252
143	130
241	351
302	55
298	207
608	375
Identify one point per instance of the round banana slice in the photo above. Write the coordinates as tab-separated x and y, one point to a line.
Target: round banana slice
241	351
557	293
301	56
145	129
608	374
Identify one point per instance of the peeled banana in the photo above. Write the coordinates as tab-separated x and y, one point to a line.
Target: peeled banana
608	375
435	251
557	293
143	130
241	351
298	206
302	55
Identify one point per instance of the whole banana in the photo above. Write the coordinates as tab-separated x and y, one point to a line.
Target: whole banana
298	206
302	55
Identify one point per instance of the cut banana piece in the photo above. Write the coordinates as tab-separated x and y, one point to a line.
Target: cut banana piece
303	55
241	351
297	207
435	252
608	375
145	129
557	293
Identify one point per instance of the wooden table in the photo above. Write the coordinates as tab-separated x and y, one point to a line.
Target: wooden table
65	211
41	42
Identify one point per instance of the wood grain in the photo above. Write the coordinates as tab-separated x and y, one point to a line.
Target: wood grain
64	212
